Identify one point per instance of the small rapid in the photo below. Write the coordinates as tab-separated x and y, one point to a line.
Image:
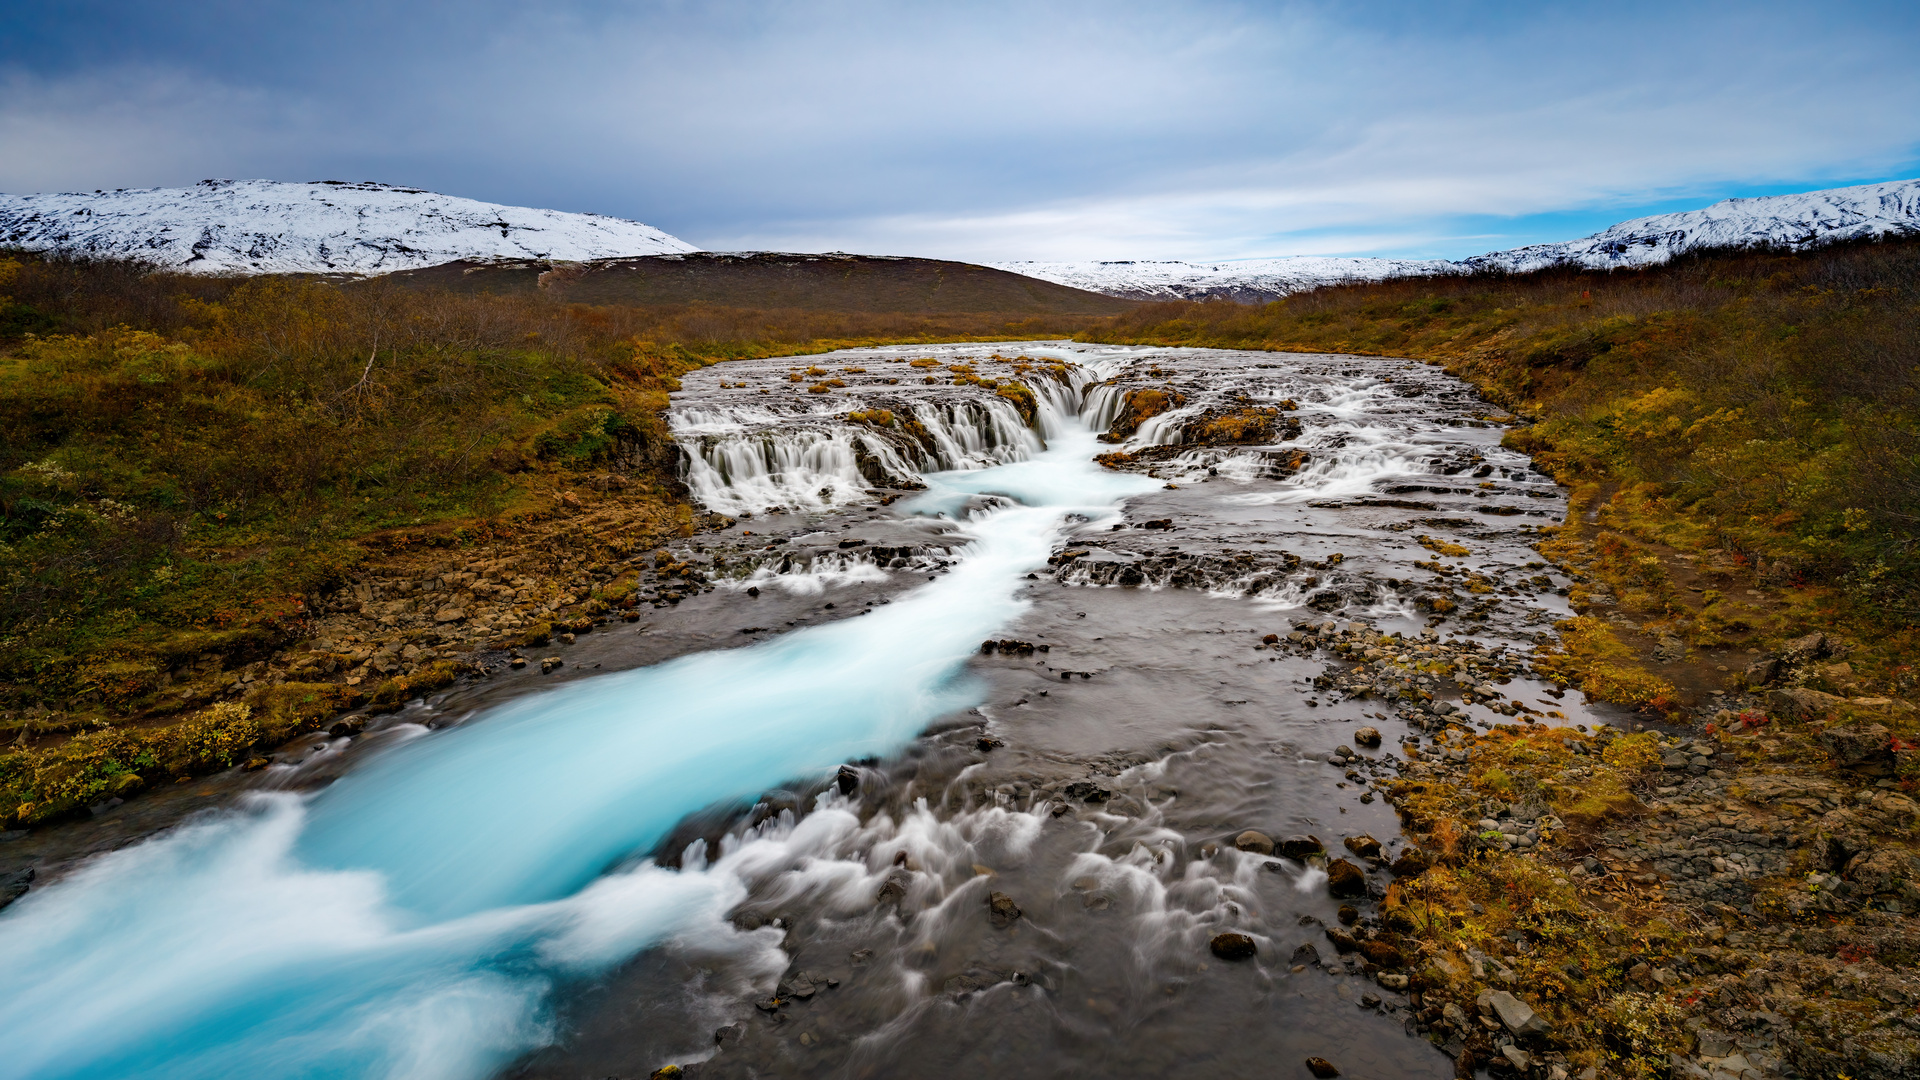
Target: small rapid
414	919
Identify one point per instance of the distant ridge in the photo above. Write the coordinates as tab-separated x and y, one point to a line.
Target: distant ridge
772	279
269	227
1786	221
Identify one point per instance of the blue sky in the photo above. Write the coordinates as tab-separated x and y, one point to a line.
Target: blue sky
986	130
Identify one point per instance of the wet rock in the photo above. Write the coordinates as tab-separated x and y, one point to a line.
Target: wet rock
1364	846
347	727
1345	880
1086	791
847	779
1300	846
13	886
729	1033
1367	736
988	742
1232	946
1349	914
1306	955
1002	912
547	664
894	889
1394	982
1342	940
1257	842
1322	1068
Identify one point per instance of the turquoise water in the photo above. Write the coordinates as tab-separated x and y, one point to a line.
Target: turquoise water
414	919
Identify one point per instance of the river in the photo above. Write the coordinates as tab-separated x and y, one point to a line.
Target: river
760	831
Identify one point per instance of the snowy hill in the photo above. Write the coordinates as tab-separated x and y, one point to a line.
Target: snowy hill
268	227
1249	281
1791	221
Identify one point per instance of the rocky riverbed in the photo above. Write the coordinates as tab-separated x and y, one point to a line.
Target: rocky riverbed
1280	768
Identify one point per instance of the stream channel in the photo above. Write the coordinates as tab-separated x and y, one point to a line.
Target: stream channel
796	822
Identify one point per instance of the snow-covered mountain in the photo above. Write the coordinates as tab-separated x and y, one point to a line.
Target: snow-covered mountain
1247	281
1789	221
268	227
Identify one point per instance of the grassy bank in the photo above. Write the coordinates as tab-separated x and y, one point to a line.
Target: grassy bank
1752	416
192	463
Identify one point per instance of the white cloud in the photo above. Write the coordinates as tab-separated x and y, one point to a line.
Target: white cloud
1207	130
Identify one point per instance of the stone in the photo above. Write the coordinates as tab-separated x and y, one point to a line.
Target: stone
1517	1057
1855	745
1381	954
449	614
1301	846
1002	912
1412	863
1345	880
1801	704
1257	842
1306	954
547	664
1363	845
847	779
13	886
1342	940
1802	649
1322	1068
1232	946
1516	1015
1761	671
1394	982
1367	736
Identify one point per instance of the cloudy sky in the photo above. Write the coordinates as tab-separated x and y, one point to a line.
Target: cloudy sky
983	130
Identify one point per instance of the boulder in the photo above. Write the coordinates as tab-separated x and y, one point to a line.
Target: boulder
1855	745
13	886
1345	880
1412	863
1802	649
1301	846
1381	954
1367	736
1801	704
1232	946
1322	1068
1002	912
1762	671
1363	845
1257	842
847	779
1342	940
1517	1015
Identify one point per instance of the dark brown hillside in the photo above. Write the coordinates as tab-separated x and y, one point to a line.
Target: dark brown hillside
774	280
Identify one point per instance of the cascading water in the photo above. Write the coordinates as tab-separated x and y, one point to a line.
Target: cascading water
456	901
412	919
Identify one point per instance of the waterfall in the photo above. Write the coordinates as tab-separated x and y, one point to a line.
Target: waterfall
415	919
